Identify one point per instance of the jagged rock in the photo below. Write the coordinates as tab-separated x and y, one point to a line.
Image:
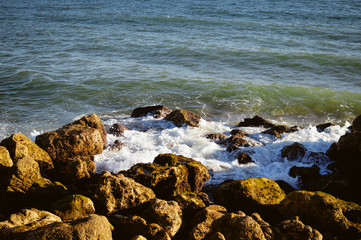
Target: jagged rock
73	207
167	214
117	192
204	219
244	158
296	230
77	168
127	227
252	194
91	227
82	138
117	129
216	136
5	159
190	202
236	142
267	229
237	226
117	145
19	146
180	117
294	151
356	124
324	212
169	175
20	224
322	127
239	133
158	111
256	121
277	130
309	177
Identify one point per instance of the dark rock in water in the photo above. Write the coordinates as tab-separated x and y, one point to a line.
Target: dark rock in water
236	143
356	124
272	132
117	145
159	111
309	177
256	121
287	188
324	212
216	136
117	129
322	127
294	151
295	229
332	152
180	117
244	158
280	129
169	175
239	133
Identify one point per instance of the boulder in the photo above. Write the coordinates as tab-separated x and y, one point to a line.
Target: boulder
256	121
116	146
190	202
203	220
117	192
236	142
73	207
267	229
322	127
117	129
296	230
19	146
5	159
138	237
20	224
91	227
277	130
324	212
309	177
239	133
83	138
216	136
356	124
159	111
128	227
76	169
293	152
244	158
169	175
180	117
166	214
252	194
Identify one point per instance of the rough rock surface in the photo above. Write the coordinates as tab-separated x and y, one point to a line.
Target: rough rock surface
296	230
77	168
73	207
294	151
169	175
280	129
117	192
256	121
324	212
19	146
117	129
5	159
180	117
249	194
244	158
159	111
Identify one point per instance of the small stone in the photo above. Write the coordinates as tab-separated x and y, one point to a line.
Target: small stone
117	129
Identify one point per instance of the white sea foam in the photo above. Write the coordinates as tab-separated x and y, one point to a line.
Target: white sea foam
149	137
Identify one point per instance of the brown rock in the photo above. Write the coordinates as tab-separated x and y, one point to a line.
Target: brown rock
180	117
117	129
159	111
309	177
77	168
239	133
19	146
5	159
117	192
296	230
280	129
256	121
116	146
216	136
73	207
294	151
356	124
244	158
322	127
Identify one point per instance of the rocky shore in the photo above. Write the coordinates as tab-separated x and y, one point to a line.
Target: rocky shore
49	189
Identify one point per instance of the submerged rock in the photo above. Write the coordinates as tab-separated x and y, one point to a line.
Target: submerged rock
244	158
180	117
159	111
216	136
294	151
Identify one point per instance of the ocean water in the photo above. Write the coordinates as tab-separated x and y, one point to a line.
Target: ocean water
293	62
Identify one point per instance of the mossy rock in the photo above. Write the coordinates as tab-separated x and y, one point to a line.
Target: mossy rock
73	207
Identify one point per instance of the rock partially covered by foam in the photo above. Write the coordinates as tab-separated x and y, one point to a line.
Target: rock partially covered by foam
256	121
158	111
294	151
180	117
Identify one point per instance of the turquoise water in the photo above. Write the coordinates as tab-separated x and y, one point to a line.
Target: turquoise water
289	61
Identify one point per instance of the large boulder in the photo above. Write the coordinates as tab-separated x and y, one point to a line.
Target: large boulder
5	159
73	207
19	224
77	168
158	111
117	192
19	146
169	175
91	227
180	117
324	212
252	194
294	151
296	230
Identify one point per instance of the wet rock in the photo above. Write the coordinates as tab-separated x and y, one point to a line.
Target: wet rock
278	130
293	152
256	121
244	158
117	192
236	142
239	133
180	117
204	219
127	227
159	111
73	207
287	188
116	146
324	212
216	136
91	227
5	159
296	230
117	129
166	214
356	124
19	146
252	194
170	175
20	224
322	127
309	177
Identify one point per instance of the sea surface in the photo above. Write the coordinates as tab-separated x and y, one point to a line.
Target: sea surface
292	62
